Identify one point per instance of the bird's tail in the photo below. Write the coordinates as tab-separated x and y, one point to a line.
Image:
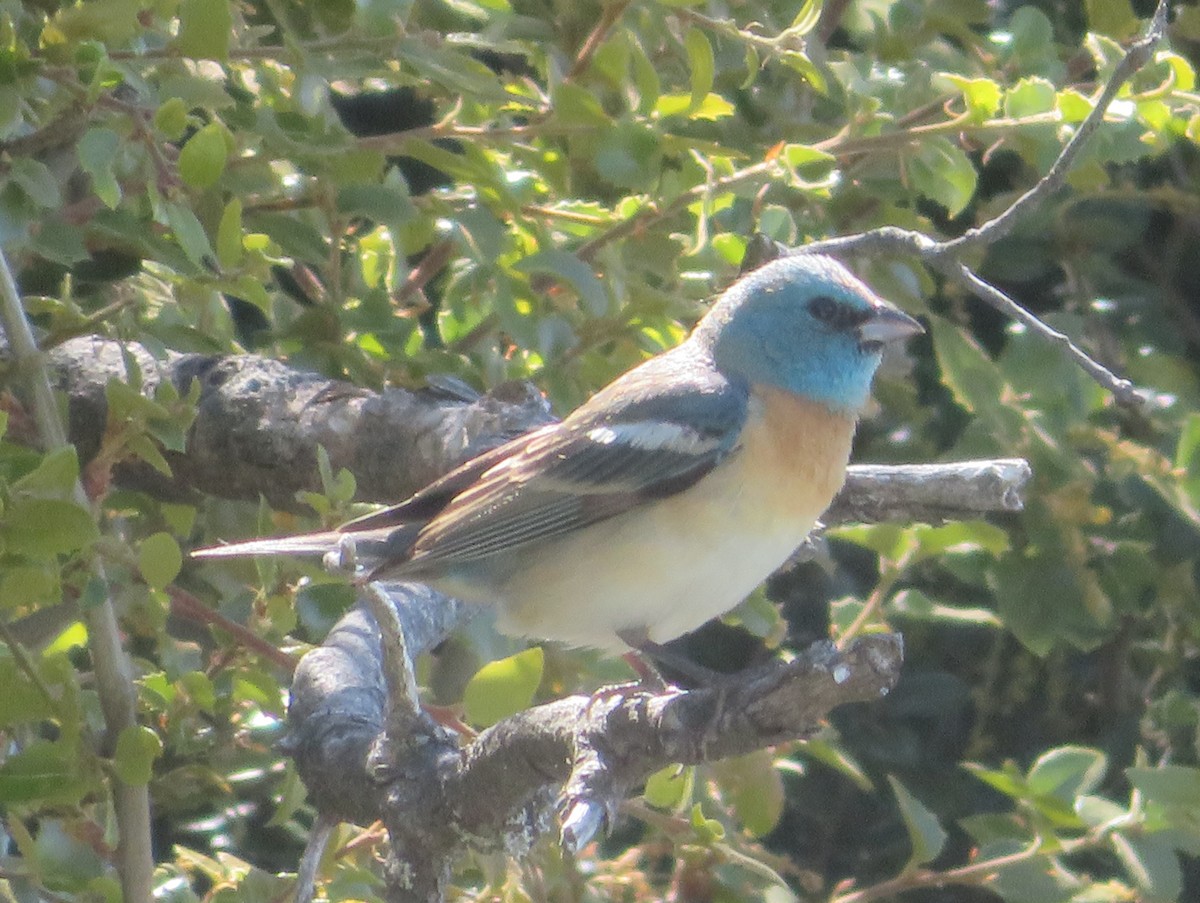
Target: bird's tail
303	544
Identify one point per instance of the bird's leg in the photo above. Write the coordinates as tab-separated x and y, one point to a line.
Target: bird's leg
647	654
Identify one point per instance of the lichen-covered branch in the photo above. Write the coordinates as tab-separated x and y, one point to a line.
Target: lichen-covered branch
581	755
260	423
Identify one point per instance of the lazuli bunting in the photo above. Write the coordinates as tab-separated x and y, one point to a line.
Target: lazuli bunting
667	497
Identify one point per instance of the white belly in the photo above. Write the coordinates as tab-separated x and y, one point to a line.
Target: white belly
685	559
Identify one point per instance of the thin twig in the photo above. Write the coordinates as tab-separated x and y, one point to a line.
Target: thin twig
608	18
114	672
185	605
974	874
1122	389
944	256
1136	57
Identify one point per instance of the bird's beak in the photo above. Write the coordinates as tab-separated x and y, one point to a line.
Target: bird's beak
888	324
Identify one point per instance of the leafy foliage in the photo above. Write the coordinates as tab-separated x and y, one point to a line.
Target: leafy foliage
583	174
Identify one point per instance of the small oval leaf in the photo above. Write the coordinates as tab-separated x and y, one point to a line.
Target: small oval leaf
159	559
503	687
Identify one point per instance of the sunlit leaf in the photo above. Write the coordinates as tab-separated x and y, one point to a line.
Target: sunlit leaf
203	157
700	65
502	688
137	748
159	559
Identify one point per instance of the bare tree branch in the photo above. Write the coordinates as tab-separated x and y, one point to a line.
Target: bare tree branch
587	753
945	256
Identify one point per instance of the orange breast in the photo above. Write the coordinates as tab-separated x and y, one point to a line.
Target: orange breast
803	444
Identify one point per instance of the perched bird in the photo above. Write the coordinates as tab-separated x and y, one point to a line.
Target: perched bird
667	497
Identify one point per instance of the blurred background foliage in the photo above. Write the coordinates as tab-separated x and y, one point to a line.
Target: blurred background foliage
390	191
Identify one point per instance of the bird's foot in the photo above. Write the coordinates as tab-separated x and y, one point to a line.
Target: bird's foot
646	655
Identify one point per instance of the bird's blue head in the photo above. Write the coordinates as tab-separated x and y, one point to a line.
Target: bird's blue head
807	325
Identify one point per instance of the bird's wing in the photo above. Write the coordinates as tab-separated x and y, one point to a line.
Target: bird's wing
427	503
650	435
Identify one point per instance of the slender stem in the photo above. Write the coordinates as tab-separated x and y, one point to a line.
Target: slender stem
1136	57
975	873
185	605
647	216
113	670
875	601
944	256
608	18
1122	389
87	325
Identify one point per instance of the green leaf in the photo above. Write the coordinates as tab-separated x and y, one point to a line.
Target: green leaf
925	833
943	172
60	241
890	541
629	155
171	118
1187	449
795	155
1114	18
230	249
668	787
44	528
981	95
45	771
292	794
1073	106
388	204
21	702
575	105
754	787
972	377
915	604
707	830
579	275
839	760
37	181
1028	97
807	18
190	235
55	475
137	748
1152	864
1068	771
502	688
645	79
701	65
108	21
713	107
159	559
1169	785
205	29
97	151
1035	879
202	160
1098	812
958	537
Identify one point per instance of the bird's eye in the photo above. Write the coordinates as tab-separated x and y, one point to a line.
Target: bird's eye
834	313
